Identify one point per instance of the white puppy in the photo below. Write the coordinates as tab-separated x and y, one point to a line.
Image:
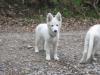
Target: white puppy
92	43
49	33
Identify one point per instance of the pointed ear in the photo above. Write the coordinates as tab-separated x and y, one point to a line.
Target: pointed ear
49	17
58	16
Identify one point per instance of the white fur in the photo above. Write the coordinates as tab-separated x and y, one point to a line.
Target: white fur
49	33
92	43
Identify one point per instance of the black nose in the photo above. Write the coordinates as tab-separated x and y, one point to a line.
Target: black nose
55	30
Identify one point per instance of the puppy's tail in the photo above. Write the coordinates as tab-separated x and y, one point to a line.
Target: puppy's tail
90	48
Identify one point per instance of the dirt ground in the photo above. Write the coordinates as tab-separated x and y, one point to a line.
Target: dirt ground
17	56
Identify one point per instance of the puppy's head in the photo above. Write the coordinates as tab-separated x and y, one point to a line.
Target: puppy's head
54	23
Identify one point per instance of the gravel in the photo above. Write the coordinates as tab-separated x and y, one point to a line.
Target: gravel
17	56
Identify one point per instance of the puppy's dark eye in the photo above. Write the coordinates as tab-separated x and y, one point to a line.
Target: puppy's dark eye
56	24
51	25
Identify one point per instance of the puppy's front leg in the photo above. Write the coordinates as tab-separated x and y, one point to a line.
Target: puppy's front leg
55	45
47	50
36	44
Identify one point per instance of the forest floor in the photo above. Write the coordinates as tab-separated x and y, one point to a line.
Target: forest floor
17	55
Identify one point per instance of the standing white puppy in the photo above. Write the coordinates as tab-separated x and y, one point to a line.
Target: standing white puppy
92	43
49	33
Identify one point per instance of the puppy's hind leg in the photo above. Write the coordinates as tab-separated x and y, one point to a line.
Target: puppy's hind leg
36	43
86	46
90	50
94	54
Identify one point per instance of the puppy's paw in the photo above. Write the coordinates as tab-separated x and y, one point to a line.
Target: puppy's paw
36	50
94	59
48	57
82	61
56	57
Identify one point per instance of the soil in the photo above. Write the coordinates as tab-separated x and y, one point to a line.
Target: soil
17	55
